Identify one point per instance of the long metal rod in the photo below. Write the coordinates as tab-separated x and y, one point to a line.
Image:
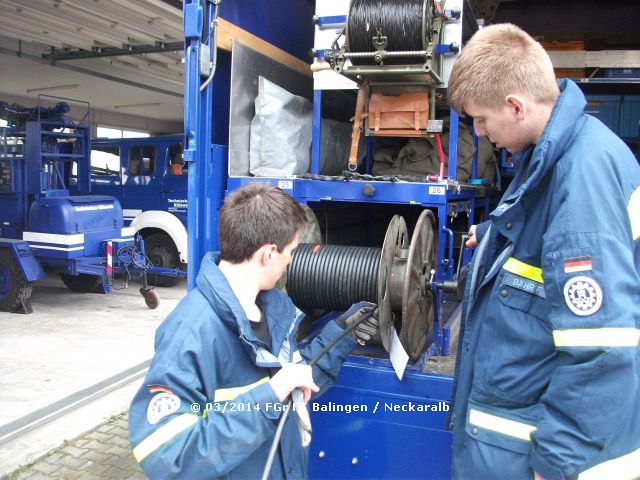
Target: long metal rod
113	52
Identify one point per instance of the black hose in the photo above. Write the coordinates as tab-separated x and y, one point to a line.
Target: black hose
285	413
332	277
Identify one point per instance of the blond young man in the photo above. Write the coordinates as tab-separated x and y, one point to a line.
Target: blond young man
548	380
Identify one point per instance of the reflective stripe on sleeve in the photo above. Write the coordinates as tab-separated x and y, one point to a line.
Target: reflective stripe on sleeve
626	467
163	434
227	394
501	425
597	337
634	213
296	357
524	270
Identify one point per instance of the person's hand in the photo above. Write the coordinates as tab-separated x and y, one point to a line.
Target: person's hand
537	476
367	328
473	241
292	376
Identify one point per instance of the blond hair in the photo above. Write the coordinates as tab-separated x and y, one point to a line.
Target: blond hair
499	60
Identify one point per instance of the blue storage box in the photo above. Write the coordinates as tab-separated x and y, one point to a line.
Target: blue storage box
621	72
605	108
630	118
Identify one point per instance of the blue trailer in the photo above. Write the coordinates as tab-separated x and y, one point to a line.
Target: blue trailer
376	422
42	226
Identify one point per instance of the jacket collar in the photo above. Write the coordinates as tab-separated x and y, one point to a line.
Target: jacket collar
537	161
563	124
278	310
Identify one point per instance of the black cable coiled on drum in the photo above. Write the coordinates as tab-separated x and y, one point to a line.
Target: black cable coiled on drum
401	21
332	277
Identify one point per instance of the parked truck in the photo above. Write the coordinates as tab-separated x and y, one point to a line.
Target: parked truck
80	237
149	179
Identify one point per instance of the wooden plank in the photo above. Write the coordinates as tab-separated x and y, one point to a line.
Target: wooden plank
228	33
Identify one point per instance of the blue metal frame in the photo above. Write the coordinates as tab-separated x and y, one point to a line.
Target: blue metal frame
374	444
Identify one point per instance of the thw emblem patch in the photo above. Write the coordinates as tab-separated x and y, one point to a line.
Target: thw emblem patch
583	295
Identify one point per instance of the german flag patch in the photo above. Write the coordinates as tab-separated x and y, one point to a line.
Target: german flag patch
159	388
577	264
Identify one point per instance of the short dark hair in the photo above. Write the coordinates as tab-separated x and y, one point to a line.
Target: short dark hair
254	215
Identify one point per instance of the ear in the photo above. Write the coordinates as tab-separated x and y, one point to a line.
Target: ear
265	253
518	104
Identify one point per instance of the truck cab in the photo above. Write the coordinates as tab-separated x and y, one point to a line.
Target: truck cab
149	178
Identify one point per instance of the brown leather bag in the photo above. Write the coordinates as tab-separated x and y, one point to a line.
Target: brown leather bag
398	115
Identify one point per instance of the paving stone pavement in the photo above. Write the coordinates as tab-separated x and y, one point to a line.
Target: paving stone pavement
103	452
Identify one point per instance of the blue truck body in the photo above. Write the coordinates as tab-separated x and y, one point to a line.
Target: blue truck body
149	179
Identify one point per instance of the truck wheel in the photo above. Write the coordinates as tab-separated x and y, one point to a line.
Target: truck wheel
161	252
83	283
15	291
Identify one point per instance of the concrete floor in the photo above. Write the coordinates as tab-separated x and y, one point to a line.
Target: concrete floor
70	342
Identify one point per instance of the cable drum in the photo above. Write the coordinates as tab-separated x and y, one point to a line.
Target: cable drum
397	277
332	277
405	23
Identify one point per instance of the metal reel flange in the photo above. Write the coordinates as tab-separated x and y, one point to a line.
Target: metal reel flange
417	298
396	242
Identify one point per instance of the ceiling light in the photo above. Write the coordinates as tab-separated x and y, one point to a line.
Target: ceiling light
55	87
137	105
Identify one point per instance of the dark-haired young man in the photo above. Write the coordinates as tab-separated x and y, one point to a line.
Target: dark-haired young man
226	358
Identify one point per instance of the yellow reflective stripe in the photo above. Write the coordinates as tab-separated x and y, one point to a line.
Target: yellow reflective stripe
520	268
597	337
163	434
626	467
226	394
296	357
501	425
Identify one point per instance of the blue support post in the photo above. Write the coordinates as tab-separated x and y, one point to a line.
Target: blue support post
466	253
316	132
449	261
441	271
474	163
197	135
453	144
369	166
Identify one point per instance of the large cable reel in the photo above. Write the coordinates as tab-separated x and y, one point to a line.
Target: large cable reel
381	26
397	277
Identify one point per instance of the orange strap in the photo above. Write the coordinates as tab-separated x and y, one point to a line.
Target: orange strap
357	129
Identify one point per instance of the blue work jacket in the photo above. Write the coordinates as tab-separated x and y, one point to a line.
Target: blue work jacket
205	408
549	371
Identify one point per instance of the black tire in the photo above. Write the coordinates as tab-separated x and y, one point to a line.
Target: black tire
15	291
83	283
161	252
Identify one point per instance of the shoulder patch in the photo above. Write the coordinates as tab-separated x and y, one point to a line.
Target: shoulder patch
583	295
161	405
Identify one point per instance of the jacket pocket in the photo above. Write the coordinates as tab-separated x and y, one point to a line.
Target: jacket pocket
522	294
498	444
509	429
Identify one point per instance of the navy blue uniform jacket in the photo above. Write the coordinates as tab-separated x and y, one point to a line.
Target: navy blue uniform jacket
549	369
207	354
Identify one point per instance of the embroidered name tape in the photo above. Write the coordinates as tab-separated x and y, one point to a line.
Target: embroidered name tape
525	284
